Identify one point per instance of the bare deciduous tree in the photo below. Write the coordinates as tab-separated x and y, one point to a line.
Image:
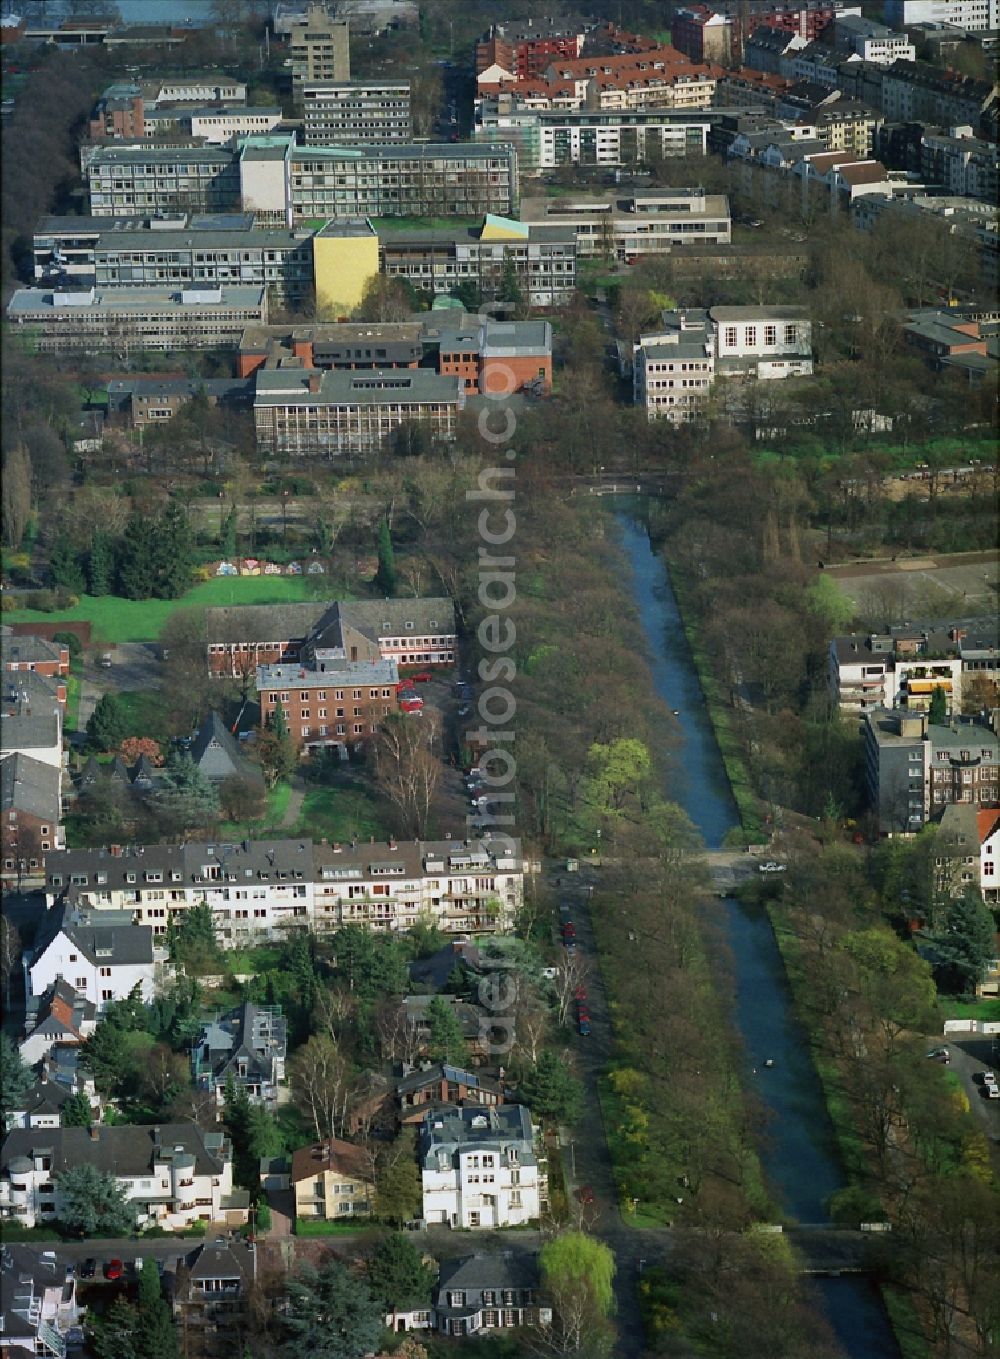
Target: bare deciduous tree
320	1082
408	768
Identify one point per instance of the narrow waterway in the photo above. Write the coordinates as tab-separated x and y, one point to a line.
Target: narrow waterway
797	1150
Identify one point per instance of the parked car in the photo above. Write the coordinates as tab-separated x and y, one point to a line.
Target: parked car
422	677
940	1055
984	1077
88	1268
990	1091
580	993
114	1269
404	684
583	1028
585	1194
569	930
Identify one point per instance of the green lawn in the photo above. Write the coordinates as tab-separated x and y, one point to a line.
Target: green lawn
73	684
144	714
269	823
986	1010
339	813
142	620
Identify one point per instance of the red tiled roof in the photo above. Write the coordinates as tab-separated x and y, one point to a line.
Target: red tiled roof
987	822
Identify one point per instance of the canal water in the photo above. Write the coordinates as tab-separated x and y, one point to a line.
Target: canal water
797	1149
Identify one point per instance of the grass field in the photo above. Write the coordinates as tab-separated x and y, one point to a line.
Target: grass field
142	620
339	813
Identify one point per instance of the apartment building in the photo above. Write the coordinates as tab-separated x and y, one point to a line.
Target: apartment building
975	15
675	367
356	112
915	769
627	227
482	1168
473	886
525	49
548	139
340	705
915	91
38	1299
332	1180
964	165
407	631
542	256
319	47
902	668
122	321
309	412
173	1176
256	889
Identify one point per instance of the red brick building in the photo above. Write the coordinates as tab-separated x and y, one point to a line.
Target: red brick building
525	49
340	706
31	653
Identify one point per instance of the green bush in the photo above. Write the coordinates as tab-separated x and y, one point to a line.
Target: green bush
70	641
854	1204
307	1227
263	1217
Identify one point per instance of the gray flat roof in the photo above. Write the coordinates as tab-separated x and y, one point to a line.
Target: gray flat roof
31	301
374	387
346	673
114	155
271	238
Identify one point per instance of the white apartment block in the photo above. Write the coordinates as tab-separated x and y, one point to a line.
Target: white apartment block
872	41
549	139
903	667
219	126
971	14
262	889
174	1175
481	1168
464	887
675	367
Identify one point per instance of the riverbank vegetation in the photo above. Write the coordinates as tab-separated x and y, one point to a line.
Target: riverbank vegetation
915	1151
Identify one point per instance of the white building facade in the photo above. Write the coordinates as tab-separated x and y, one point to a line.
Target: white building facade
480	1168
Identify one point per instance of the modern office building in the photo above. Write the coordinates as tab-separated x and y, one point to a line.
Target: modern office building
121	321
281	182
543	258
304	412
356	112
975	15
620	227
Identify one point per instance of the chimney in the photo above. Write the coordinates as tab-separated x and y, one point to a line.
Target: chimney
116	851
314	381
95	1132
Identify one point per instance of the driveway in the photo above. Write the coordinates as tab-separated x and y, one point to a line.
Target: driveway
134	666
976	1054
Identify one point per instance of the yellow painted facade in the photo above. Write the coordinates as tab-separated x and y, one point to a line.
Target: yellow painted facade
502	229
342	269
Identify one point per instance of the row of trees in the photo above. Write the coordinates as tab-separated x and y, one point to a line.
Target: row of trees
915	1150
153	558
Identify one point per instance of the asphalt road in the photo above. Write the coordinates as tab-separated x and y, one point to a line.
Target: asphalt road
976	1054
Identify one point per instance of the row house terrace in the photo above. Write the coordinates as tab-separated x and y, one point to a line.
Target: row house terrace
256	889
262	888
472	886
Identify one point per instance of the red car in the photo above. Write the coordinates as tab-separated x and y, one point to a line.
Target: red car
405	684
114	1269
585	1194
569	930
580	993
411	706
423	677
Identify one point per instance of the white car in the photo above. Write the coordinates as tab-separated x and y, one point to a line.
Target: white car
772	866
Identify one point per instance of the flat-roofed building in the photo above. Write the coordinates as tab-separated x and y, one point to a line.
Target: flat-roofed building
345	112
130	179
625	227
548	139
123	320
543	256
349	345
320	48
64	248
271	257
334	413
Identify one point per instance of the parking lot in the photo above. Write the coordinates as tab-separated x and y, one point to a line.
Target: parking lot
970	580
